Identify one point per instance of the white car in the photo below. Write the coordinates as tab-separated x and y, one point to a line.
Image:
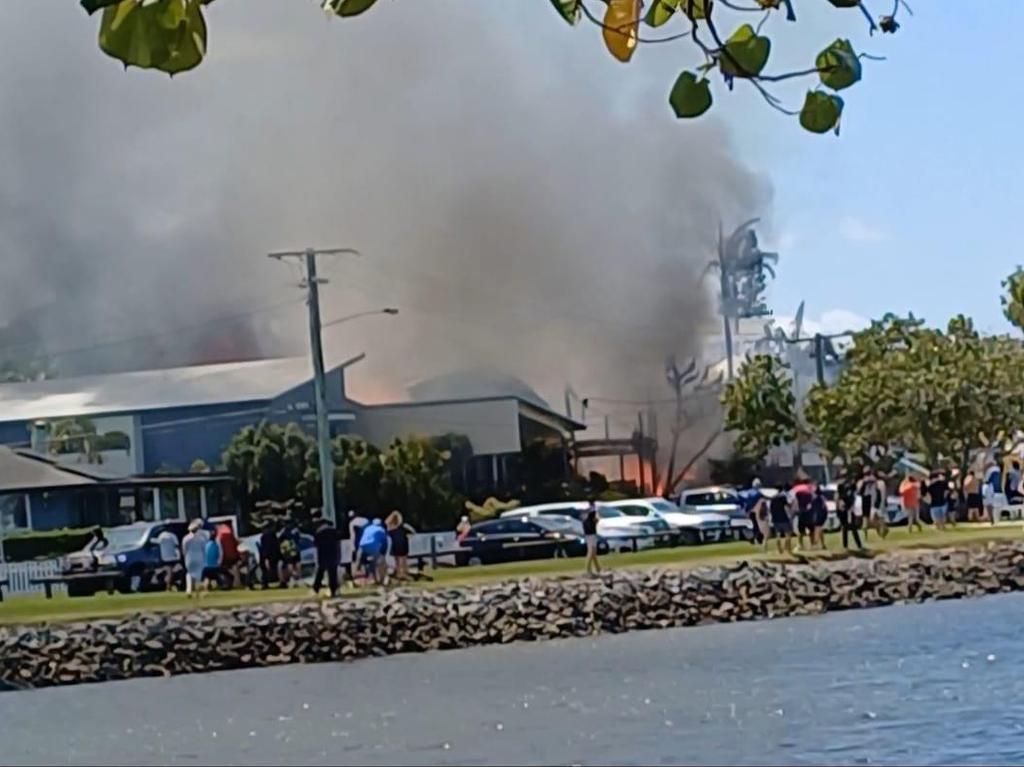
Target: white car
718	500
693	527
618	529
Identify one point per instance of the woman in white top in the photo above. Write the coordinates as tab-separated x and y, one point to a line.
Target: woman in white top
193	551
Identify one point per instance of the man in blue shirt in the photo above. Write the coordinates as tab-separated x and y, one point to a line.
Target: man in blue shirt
373	549
751	498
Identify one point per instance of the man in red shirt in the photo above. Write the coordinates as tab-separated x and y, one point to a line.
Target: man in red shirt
229	550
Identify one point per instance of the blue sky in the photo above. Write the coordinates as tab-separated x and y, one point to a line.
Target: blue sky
915	206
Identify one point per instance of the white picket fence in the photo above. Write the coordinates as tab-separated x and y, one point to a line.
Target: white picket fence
19	573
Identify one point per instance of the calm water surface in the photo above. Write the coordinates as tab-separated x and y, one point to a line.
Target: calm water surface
926	684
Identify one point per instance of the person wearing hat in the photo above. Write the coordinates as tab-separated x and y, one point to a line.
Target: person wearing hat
193	551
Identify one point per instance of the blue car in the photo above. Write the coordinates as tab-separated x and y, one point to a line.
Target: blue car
131	551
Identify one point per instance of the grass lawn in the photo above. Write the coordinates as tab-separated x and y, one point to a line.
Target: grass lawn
35	609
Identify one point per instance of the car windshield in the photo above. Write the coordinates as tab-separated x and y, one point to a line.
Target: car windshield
635	511
557	524
665	507
124	537
711	498
829	493
607	512
569	512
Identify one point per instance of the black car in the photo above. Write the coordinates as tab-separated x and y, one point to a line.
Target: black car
518	538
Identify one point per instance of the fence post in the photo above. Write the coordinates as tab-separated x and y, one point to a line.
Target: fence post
433	552
633	539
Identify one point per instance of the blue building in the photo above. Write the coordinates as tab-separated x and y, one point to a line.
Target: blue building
154	422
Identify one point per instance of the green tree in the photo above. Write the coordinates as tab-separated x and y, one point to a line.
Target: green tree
1013	298
171	36
358	472
415	482
760	406
268	461
942	394
69	436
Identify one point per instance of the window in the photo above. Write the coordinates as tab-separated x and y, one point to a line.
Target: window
14	512
635	511
710	498
193	502
169	503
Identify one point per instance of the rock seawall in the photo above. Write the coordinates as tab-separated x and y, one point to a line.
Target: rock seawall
526	610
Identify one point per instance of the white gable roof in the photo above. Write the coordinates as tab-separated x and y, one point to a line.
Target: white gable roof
152	389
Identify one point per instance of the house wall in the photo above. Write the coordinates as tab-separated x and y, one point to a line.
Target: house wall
175	437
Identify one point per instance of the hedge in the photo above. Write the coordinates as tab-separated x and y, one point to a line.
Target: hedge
23	547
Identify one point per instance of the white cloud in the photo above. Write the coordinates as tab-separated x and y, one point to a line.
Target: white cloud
856	229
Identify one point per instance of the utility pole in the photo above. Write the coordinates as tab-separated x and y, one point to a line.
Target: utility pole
323	429
640	453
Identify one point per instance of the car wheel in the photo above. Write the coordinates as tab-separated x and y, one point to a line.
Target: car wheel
475	562
690	537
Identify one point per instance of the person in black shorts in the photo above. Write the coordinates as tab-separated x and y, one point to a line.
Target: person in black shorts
803	496
590	536
782	522
398	537
819	517
846	500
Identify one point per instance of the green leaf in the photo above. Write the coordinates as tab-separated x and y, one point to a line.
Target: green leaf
91	6
839	66
821	112
168	35
660	12
568	9
695	9
690	97
745	53
348	7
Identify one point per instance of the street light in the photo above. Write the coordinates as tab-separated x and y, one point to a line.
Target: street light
386	310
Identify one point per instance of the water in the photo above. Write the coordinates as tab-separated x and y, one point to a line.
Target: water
926	684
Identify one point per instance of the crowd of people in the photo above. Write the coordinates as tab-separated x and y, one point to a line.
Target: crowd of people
800	509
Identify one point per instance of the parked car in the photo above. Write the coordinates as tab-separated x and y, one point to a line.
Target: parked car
514	539
691	527
131	550
618	529
718	500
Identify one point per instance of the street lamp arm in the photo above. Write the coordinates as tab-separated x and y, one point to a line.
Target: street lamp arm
390	310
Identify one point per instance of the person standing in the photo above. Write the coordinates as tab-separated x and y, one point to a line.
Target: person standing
462	529
170	556
752	501
193	551
846	503
590	536
819	517
328	554
972	497
803	494
230	561
782	523
270	555
938	490
1013	483
398	533
910	500
214	562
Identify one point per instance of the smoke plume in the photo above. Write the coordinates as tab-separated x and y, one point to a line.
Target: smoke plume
528	203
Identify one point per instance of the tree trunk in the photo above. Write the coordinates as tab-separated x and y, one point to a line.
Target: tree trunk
696	457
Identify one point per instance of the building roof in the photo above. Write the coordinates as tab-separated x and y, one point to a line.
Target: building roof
152	389
20	473
526	407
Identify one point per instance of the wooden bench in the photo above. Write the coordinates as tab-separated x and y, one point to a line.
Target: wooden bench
4	584
49	581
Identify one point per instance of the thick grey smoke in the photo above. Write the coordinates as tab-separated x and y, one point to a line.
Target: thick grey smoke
529	203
